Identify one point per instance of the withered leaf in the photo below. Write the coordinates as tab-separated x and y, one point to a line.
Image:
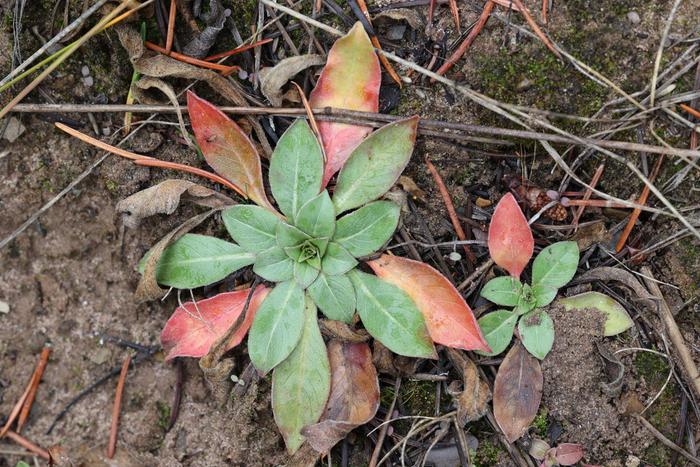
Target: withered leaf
273	79
342	331
517	392
354	397
146	82
473	398
165	197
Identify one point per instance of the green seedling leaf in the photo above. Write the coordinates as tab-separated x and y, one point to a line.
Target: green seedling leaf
277	326
290	236
301	383
334	296
497	328
517	392
194	328
366	230
390	316
449	319
350	80
510	239
296	168
543	296
375	165
337	260
317	216
252	227
274	265
555	266
504	291
227	148
617	320
305	274
198	260
527	300
537	333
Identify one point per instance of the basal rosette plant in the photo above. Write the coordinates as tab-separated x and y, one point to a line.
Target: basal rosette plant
309	254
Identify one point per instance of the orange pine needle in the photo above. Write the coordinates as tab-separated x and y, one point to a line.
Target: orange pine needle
171	27
535	28
33	385
431	11
100	144
15	412
375	42
238	50
642	200
28	445
507	4
116	409
462	49
455	15
690	110
587	195
450	209
545	4
190	60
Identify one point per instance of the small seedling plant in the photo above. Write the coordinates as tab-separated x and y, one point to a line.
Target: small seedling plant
511	246
312	251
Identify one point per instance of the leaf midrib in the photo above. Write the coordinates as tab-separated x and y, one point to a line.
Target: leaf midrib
209	258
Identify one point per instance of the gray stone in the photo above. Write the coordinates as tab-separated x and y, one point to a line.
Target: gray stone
396	33
14	130
633	17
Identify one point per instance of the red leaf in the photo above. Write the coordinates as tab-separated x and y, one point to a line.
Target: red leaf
354	397
227	149
192	330
350	80
449	319
510	238
568	453
517	392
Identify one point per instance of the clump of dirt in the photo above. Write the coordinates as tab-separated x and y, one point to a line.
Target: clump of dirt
573	376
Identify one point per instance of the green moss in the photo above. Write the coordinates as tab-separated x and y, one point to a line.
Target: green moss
418	397
111	186
163	414
653	368
540	423
487	454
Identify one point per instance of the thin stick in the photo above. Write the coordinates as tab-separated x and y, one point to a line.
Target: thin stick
535	28
310	116
545	4
587	195
450	209
28	445
667	442
673	331
33	386
604	203
362	118
171	27
237	50
462	49
455	15
690	110
375	42
385	425
660	51
635	213
116	409
190	60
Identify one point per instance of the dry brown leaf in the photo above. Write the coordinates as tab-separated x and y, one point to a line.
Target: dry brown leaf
146	82
473	398
342	332
409	15
273	79
387	362
165	197
354	397
411	188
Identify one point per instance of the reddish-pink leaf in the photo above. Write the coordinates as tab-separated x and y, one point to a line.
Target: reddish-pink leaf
192	329
449	319
568	453
510	238
354	397
350	80
227	149
517	392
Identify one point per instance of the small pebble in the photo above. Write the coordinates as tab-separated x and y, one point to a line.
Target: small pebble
633	17
106	131
85	70
420	94
396	33
454	256
524	85
88	81
4	307
13	130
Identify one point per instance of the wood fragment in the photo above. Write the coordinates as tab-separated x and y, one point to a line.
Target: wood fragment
450	209
33	386
116	408
674	333
587	195
28	445
171	27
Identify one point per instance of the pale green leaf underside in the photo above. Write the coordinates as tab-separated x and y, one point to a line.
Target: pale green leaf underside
366	230
252	227
334	296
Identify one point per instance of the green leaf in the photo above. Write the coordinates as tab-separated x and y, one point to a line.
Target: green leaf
616	318
274	265
301	384
317	216
289	236
335	296
528	299
277	326
497	328
296	168
390	316
252	227
305	274
198	260
366	230
337	260
375	164
505	290
537	333
543	295
555	266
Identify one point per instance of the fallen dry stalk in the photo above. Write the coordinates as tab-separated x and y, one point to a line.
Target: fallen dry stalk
28	445
33	386
673	331
116	409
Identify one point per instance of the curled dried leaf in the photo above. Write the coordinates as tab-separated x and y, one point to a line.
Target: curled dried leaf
342	331
472	395
273	79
